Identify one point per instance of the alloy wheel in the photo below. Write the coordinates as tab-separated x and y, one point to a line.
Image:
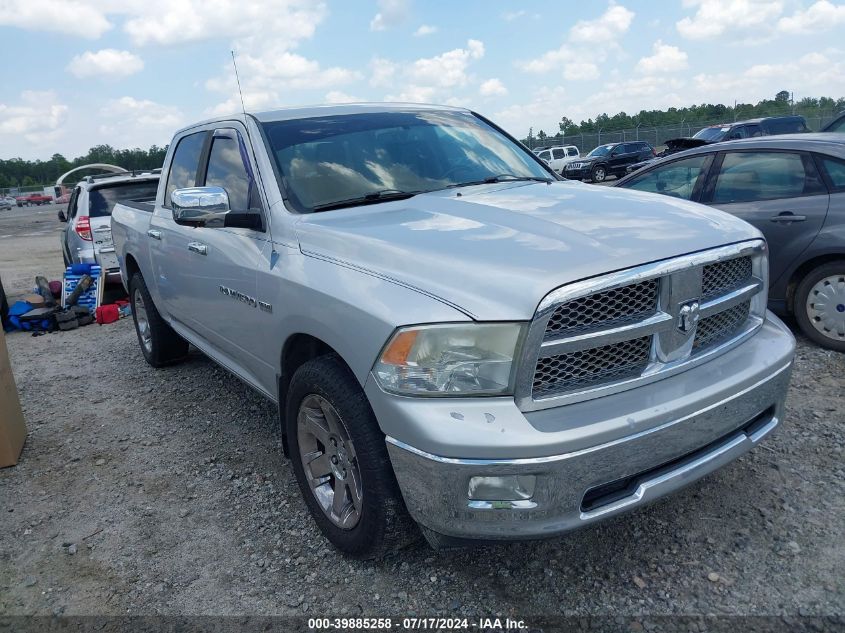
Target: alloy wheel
329	461
142	322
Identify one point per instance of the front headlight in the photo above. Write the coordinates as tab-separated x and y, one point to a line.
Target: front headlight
450	359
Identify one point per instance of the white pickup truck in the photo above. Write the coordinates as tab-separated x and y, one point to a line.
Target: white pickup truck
452	333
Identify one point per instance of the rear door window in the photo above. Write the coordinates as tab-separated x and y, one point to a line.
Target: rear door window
101	200
558	153
183	167
835	170
750	176
677	179
545	155
572	151
73	203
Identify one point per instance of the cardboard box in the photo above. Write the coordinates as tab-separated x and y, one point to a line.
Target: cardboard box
12	426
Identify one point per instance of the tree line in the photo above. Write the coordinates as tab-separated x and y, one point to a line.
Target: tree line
17	172
705	113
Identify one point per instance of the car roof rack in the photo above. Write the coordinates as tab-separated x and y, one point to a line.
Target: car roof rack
128	172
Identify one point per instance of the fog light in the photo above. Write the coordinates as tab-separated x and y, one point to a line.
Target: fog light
504	488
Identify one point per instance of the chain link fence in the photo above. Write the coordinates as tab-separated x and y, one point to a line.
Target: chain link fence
657	136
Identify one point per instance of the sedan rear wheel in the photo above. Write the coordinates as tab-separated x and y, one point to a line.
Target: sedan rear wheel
820	305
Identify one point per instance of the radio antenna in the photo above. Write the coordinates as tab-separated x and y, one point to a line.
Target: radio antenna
238	79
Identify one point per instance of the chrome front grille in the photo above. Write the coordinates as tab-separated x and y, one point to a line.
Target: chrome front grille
723	276
590	367
616	306
721	326
614	332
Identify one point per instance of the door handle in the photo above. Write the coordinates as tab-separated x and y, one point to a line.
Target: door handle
156	235
787	217
198	247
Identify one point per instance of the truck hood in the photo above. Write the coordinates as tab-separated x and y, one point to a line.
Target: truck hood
494	251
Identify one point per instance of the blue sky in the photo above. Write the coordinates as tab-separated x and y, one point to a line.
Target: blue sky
129	72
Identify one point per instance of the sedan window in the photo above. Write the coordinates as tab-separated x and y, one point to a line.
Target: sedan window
676	179
749	176
835	171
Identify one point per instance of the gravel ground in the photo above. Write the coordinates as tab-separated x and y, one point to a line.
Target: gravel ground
148	491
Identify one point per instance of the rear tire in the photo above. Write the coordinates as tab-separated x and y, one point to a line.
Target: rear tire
819	305
159	343
332	433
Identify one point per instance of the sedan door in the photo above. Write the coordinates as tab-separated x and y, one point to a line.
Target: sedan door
779	192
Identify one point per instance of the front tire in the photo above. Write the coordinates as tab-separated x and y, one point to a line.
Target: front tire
819	305
341	463
159	343
598	174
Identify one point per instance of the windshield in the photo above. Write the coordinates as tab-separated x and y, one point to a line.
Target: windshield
328	160
601	150
712	133
101	201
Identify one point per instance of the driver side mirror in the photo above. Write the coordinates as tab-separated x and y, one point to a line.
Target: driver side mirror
62	216
209	207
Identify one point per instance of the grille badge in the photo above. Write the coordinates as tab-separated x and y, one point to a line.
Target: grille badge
689	314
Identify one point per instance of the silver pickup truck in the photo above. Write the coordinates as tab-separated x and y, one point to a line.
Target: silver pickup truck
454	336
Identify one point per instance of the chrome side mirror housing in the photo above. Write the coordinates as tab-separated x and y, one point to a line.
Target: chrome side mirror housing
200	206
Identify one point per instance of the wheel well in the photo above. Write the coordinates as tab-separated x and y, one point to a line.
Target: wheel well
297	350
803	270
131	267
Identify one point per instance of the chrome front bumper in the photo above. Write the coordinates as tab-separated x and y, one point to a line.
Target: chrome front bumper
687	439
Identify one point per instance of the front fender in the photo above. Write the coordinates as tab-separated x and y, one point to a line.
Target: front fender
349	310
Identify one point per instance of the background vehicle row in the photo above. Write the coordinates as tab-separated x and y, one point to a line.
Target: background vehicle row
792	188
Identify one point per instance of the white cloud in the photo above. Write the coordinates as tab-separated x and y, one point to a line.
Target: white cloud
270	74
550	60
425	29
714	18
131	122
666	59
447	69
513	15
105	63
603	32
336	96
428	79
391	13
382	71
492	88
178	21
821	16
813	73
37	117
580	71
69	17
610	25
541	112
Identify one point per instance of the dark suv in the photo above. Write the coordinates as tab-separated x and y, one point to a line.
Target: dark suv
767	126
608	160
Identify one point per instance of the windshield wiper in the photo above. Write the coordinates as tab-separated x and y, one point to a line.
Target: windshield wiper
500	178
383	195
